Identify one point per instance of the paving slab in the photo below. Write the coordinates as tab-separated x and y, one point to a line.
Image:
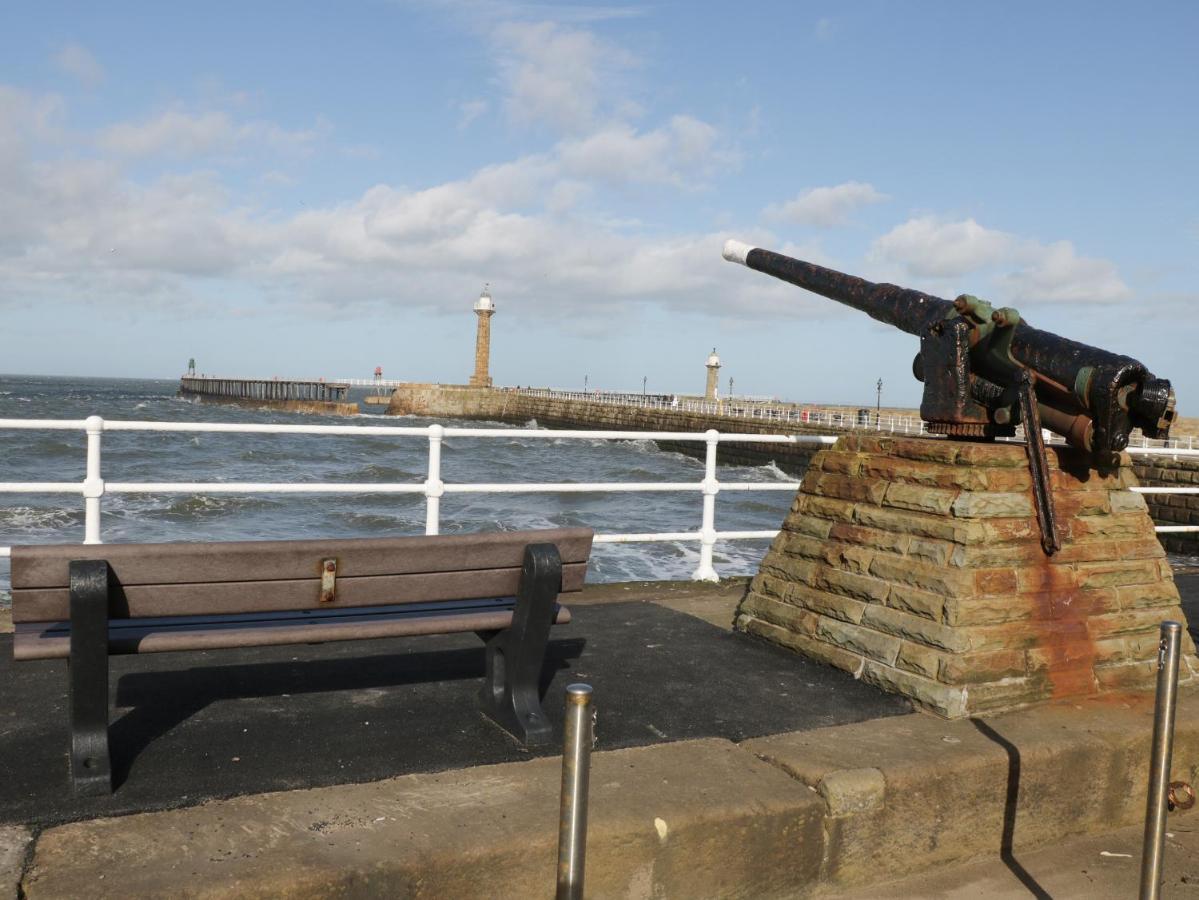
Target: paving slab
689	819
1091	867
14	847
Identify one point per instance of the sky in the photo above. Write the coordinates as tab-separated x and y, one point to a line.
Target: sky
316	189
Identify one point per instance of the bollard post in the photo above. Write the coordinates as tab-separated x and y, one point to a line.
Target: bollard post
1159	760
576	776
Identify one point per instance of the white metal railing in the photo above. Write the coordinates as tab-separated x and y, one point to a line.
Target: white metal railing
93	488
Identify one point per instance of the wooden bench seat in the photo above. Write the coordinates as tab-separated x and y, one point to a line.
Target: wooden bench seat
84	603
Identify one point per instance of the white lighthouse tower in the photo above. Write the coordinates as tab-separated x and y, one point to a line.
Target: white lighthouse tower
484	309
713	365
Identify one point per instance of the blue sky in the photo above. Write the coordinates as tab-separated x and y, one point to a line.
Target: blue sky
316	189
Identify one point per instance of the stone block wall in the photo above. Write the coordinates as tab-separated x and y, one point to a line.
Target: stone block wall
917	566
1172	509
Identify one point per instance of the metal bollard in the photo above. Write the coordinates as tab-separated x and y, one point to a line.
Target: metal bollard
576	775
1159	760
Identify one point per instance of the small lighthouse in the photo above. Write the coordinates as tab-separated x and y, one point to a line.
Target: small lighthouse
713	365
484	309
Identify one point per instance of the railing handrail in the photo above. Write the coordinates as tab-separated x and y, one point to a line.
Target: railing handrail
93	487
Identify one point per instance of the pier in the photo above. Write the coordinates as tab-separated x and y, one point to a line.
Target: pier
312	396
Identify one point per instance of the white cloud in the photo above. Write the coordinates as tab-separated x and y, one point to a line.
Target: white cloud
1023	268
826	206
677	153
1057	273
79	63
183	134
931	247
554	75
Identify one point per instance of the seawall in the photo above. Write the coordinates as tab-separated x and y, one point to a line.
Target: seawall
518	407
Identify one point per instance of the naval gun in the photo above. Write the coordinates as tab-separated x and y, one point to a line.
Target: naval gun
986	370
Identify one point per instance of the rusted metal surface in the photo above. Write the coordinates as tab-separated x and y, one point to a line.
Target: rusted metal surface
1038	466
328	581
1180	795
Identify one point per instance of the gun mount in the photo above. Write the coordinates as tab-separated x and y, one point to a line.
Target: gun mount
986	370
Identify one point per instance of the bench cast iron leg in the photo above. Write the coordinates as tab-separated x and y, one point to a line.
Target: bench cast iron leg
91	769
515	655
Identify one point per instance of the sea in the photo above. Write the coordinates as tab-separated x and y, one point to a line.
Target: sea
197	457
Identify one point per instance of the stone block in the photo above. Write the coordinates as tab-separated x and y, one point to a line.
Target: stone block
858	639
974	668
1002	456
1127	501
994	581
921	449
988	505
812	648
949	582
779	613
1124	525
840	463
869	537
862	587
809	525
831	508
851	791
964	612
915	628
914	472
938	553
843	487
919	524
944	700
1003	531
1008	693
1160	593
919	659
1068	504
836	606
1114	574
919	498
913	600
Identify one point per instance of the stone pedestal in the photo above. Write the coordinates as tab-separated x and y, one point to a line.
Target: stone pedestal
916	565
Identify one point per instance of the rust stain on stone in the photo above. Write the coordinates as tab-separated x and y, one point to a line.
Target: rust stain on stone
1065	643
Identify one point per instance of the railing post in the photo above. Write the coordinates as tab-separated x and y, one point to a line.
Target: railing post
711	487
434	486
93	484
1159	760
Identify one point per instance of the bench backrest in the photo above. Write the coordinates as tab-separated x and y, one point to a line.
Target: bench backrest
262	576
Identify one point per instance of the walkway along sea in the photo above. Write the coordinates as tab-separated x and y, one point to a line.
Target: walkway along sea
59	456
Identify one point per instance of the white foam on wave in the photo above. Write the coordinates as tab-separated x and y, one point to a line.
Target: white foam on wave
32	519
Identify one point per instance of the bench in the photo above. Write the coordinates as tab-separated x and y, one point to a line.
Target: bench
83	603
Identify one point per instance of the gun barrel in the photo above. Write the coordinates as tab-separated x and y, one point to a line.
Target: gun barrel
907	310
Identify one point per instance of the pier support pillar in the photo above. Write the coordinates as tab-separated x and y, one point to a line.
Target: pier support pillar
917	566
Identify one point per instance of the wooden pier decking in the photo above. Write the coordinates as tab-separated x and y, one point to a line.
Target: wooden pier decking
315	396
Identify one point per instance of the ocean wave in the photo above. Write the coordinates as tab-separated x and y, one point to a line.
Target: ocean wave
775	473
376	472
200	507
31	519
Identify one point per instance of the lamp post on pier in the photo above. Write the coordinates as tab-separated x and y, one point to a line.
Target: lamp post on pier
644	380
878	404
